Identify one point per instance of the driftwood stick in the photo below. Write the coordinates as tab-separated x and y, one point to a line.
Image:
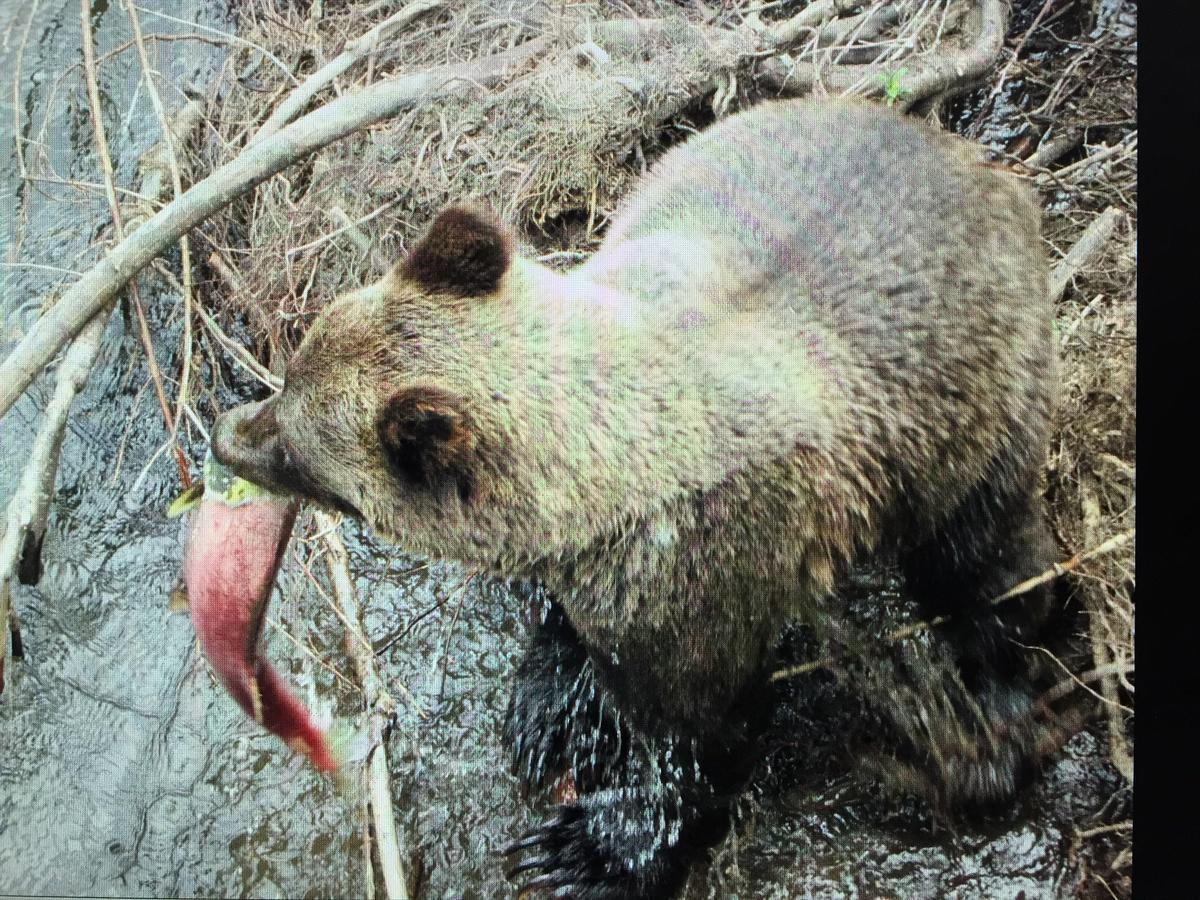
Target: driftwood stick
1067	685
29	508
356	50
367	843
386	840
380	706
1053	149
343	116
1123	149
1083	251
32	496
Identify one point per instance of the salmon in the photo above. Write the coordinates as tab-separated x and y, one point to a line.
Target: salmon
235	545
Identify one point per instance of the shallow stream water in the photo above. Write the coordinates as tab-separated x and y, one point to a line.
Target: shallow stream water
125	770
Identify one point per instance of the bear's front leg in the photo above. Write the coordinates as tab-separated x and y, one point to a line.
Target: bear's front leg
650	803
558	722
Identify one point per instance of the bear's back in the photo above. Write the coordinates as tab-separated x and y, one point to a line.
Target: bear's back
890	255
859	203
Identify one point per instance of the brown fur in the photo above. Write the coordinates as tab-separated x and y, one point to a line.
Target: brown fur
813	332
860	380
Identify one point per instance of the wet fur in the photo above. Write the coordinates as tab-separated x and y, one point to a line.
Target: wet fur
815	332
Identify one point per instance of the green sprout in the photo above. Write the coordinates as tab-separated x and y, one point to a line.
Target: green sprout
892	89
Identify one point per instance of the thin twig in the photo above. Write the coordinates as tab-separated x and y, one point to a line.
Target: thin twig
168	144
1069	332
93	93
311	654
1115	828
231	38
1067	685
462	592
380	708
1127	146
355	50
18	151
36	486
347	226
240	354
999	86
1079	681
360	240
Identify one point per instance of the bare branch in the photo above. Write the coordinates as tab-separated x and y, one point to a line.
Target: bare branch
929	75
355	51
33	493
380	708
343	116
1083	251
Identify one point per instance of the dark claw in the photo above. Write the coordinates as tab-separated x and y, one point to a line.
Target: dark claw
540	862
529	839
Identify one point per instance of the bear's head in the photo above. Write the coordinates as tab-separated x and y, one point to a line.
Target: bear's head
474	405
395	408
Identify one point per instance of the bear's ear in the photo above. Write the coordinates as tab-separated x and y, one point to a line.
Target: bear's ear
465	253
427	439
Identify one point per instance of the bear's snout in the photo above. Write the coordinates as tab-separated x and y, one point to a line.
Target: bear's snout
246	439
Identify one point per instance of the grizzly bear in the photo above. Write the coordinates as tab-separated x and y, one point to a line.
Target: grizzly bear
815	332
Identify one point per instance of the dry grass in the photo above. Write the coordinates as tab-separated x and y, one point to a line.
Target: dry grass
553	150
540	148
1083	80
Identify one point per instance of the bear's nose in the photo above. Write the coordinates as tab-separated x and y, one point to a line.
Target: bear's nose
244	439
